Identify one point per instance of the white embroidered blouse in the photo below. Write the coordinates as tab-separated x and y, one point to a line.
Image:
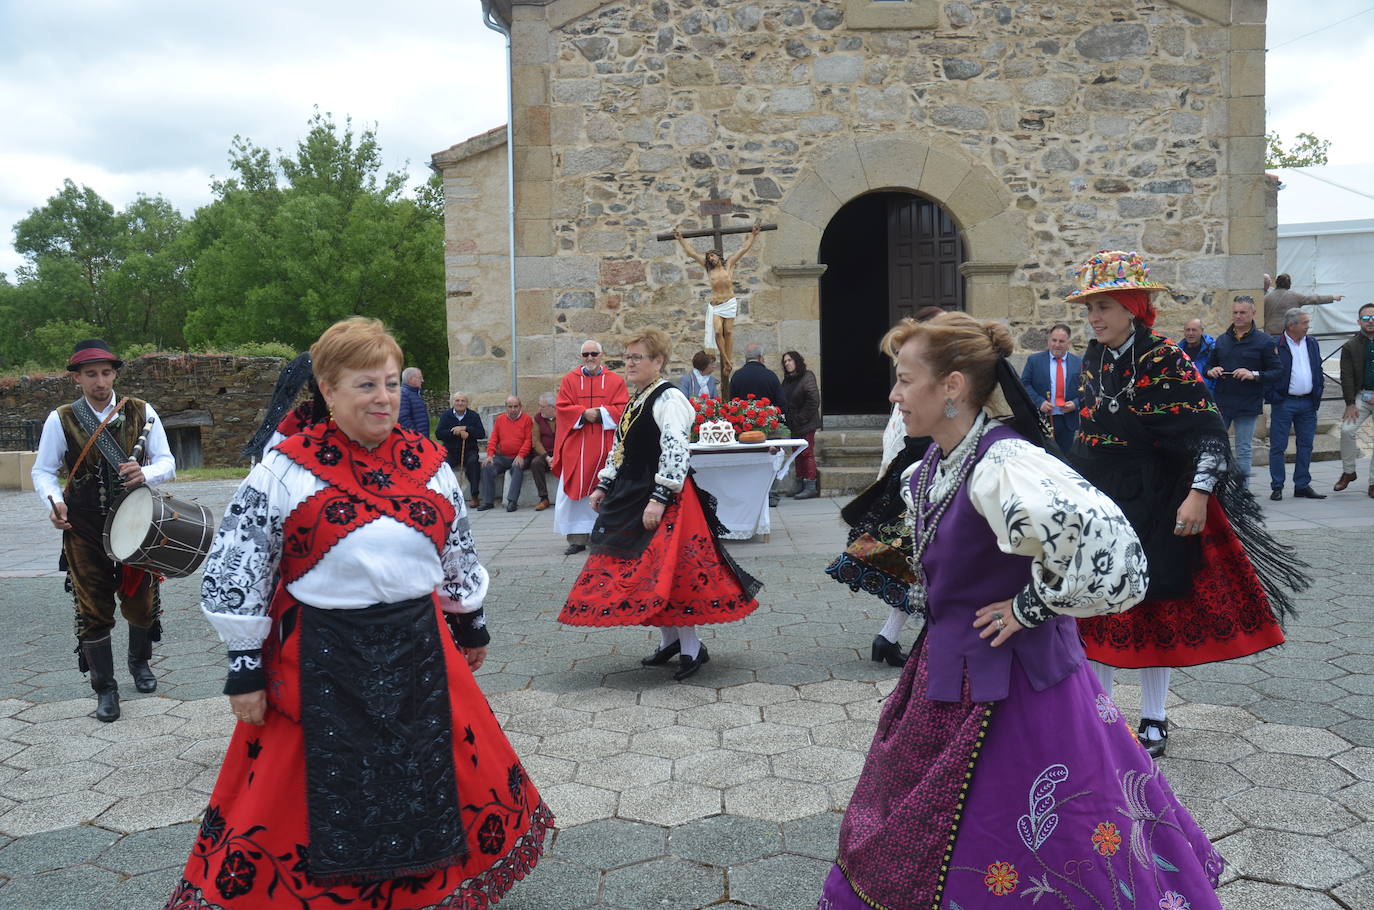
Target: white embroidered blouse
1085	558
384	561
674	414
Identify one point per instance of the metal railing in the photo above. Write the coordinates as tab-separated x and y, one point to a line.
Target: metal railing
20	435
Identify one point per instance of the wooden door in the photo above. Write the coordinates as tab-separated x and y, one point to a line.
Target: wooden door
924	253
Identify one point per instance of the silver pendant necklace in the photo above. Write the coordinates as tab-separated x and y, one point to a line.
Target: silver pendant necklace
923	519
1127	385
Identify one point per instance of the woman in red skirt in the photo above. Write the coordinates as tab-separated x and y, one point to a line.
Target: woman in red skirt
656	558
366	769
1151	438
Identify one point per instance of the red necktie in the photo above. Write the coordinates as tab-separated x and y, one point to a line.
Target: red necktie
1059	382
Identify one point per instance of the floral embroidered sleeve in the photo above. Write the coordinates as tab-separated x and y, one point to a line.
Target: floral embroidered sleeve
1086	559
674	414
1173	404
241	574
465	579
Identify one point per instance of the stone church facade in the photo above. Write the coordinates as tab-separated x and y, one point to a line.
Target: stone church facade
966	154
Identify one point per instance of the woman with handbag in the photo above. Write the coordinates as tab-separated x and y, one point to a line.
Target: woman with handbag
998	767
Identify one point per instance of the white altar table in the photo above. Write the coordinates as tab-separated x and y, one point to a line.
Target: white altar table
739	476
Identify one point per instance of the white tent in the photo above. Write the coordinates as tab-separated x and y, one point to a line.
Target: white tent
1326	240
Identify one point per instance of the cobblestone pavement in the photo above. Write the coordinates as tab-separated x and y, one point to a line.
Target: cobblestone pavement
725	791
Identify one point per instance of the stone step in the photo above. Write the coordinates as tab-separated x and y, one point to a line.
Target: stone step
855	421
846	481
853	437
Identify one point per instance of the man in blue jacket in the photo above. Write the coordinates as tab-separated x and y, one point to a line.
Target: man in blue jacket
1051	380
414	415
1242	363
1295	397
1198	345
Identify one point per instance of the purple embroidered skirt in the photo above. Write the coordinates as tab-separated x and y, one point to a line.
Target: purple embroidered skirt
1041	795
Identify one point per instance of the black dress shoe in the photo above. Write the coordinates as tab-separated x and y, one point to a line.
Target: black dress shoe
485	507
691	664
662	655
890	651
574	548
1276	495
511	507
1307	493
1154	746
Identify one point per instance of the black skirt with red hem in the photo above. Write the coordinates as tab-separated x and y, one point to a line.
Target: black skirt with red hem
1227	615
684	577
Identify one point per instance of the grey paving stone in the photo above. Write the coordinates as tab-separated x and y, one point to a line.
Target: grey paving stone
623	771
1207	745
1252	895
719	716
777	800
816	836
54	850
764	738
674	742
555	884
1295	740
724	840
807	713
582	745
610	843
792	674
669	803
52	812
1290	810
1358	798
141	892
1297	772
1355	840
758	693
1359	731
1213	816
818	764
575	804
55	890
779	882
635	719
1290	859
1359	762
1298	713
153	810
1358	892
148	778
1209	780
147	851
664	884
720	768
55	779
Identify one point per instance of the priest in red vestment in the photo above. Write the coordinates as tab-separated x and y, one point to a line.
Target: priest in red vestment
590	401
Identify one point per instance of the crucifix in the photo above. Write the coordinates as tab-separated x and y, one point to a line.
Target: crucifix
720	272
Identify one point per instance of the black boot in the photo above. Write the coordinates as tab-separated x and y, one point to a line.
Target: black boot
691	664
889	651
100	659
809	490
140	652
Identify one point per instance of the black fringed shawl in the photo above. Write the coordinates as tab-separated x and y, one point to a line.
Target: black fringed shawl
1147	453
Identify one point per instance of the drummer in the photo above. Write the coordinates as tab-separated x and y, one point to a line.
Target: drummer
96	474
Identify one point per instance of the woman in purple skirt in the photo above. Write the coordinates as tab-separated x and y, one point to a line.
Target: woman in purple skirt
999	768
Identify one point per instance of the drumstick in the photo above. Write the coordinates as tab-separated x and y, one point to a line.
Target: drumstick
54	506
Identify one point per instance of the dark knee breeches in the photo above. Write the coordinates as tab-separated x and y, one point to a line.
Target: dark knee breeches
95	581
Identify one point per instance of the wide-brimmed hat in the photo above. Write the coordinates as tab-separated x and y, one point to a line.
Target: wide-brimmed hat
90	351
1114	270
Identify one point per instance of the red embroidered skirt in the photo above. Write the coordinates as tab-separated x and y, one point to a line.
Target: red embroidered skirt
683	578
1226	616
253	849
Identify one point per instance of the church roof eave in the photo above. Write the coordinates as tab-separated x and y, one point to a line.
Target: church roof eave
468	148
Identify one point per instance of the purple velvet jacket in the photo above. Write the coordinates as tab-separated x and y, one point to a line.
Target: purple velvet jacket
966	571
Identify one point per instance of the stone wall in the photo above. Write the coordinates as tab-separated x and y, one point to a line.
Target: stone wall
222	397
1047	129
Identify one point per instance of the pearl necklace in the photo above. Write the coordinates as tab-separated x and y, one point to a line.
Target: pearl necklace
923	519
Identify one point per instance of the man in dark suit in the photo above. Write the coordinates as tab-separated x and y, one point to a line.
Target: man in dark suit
1051	378
1295	397
756	379
462	434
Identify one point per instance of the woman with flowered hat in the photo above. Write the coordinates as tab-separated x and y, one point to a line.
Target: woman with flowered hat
999	769
1151	438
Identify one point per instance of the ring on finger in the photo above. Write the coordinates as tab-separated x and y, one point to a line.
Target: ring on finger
1000	624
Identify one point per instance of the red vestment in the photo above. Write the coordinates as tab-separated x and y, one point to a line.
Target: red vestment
580	452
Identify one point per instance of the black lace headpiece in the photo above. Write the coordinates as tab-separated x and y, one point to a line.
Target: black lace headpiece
293	377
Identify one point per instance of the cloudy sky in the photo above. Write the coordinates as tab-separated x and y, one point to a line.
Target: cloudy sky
146	95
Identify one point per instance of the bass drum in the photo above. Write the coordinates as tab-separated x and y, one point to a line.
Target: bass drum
153	530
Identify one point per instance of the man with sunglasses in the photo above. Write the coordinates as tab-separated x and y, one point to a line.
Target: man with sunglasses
590	401
1357	387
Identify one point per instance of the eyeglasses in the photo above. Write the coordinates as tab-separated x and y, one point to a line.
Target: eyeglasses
636	358
591	353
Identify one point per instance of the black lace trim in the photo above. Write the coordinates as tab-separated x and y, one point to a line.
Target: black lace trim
246	673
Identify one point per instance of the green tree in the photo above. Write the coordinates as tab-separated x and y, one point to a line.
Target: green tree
71	244
1306	151
292	243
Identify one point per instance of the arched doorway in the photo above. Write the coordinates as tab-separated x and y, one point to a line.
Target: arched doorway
887	255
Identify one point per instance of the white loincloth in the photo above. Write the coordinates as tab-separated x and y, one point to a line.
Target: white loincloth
571	516
726	310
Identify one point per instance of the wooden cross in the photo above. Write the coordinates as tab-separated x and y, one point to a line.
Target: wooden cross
715	206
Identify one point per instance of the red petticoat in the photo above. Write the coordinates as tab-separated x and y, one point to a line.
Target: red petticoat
1226	616
254	844
681	578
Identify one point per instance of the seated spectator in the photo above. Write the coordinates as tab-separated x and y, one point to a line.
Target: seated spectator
510	444
544	434
461	431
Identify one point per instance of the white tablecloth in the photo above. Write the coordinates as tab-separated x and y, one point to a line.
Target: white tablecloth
739	476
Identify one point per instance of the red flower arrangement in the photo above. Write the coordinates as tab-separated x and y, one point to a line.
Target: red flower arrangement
744	414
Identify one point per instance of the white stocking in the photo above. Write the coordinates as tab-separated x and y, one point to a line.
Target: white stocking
1105	675
1154	688
896	619
691	644
668	635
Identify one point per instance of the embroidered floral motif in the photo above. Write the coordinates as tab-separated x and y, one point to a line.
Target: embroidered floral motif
1106	839
236	874
1172	900
340	512
1039	823
1001	878
212	825
408	459
491	837
1106	709
515	780
422	513
377	478
328	454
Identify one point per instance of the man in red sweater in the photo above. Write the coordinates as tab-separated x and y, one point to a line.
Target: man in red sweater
508	447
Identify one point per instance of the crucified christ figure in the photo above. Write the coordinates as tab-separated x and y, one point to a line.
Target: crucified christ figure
720	321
